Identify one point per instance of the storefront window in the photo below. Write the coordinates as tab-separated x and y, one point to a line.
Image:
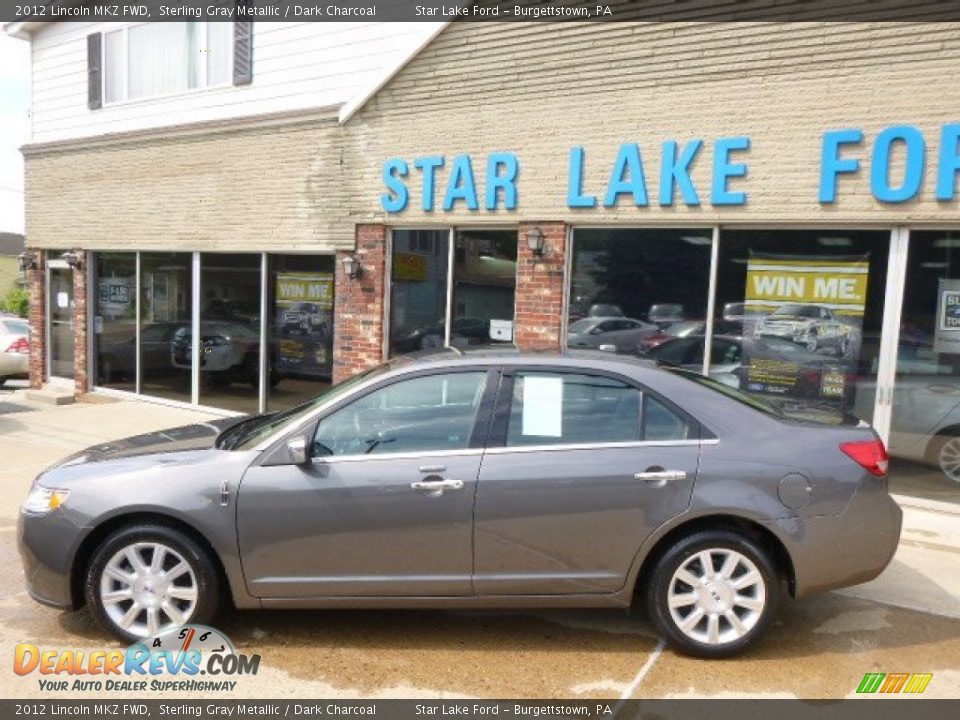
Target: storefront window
925	417
641	291
166	291
484	285
798	316
229	331
418	290
115	320
299	328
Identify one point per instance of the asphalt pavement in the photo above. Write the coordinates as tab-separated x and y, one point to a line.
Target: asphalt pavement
908	620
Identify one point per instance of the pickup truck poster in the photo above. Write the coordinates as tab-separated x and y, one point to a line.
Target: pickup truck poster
804	325
304	320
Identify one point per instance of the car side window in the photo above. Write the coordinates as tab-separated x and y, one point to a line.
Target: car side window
424	414
568	408
661	423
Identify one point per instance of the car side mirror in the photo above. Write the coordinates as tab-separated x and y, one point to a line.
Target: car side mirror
297	448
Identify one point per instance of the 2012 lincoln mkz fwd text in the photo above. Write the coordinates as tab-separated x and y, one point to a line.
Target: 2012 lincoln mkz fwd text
495	480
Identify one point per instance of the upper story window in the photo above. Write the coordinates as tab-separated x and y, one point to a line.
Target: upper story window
153	59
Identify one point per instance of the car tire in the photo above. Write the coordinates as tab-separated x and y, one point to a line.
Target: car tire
713	618
191	596
944	454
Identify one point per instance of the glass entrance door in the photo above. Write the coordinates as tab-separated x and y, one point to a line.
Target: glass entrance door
60	304
924	406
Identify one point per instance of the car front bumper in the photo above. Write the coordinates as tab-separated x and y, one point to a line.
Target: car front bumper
48	544
852	547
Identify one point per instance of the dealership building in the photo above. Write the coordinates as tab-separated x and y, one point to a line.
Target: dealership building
316	198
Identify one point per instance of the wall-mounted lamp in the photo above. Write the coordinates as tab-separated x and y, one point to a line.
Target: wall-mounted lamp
28	261
535	241
73	260
351	266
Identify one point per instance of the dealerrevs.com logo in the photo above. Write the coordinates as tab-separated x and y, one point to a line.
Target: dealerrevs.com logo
192	658
888	683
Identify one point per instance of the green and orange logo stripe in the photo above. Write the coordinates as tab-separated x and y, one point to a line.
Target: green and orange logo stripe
905	683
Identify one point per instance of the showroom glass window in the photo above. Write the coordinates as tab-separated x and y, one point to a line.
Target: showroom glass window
418	289
924	443
154	59
115	320
484	287
166	296
300	318
806	308
229	331
480	287
638	289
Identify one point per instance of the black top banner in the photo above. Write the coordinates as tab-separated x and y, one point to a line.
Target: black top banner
481	11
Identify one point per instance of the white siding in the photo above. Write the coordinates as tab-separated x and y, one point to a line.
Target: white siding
297	66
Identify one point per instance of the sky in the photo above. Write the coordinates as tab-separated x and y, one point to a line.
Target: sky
14	128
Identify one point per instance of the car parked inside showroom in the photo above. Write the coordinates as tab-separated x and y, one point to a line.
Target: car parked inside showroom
481	479
14	348
622	333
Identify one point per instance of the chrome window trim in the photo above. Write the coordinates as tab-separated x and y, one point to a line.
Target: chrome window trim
600	446
410	455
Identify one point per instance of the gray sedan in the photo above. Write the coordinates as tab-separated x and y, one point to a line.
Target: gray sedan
473	480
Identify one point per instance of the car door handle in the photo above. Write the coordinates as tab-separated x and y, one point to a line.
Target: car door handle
437	486
660	476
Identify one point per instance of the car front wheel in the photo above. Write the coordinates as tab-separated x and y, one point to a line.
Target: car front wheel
149	579
713	593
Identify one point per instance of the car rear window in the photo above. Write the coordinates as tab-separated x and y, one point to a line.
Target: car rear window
16	327
790	410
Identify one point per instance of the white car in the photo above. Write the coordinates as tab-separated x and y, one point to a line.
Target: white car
812	326
14	348
226	347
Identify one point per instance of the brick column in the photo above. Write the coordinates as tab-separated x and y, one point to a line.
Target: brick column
358	306
37	289
538	324
81	383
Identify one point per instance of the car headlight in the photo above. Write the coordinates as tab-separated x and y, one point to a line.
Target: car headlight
42	500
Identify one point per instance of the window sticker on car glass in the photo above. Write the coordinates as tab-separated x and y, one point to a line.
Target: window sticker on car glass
542	406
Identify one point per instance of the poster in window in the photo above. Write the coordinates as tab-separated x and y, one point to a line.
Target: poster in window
804	326
304	319
947	333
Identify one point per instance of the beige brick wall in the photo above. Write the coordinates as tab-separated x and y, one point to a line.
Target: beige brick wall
243	190
535	89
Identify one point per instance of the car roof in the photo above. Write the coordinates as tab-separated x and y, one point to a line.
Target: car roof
509	355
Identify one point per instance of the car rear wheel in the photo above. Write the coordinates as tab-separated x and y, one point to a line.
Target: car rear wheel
145	580
947	454
713	593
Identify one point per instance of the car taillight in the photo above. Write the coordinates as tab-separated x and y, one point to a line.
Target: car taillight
870	454
20	345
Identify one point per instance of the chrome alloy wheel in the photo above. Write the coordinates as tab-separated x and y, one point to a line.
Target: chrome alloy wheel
716	596
949	458
147	588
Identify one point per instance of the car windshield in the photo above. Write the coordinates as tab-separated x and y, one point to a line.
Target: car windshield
580	326
682	329
808	311
252	431
15	327
743	398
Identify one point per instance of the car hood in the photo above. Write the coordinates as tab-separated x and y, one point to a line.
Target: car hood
185	438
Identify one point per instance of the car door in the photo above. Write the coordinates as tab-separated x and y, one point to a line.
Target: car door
581	467
385	505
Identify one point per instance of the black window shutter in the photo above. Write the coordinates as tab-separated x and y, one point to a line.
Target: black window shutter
94	71
242	49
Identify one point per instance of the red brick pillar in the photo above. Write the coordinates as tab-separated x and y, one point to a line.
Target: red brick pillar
37	289
81	383
359	304
538	324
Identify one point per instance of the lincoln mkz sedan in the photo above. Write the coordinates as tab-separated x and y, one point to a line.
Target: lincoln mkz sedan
493	480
